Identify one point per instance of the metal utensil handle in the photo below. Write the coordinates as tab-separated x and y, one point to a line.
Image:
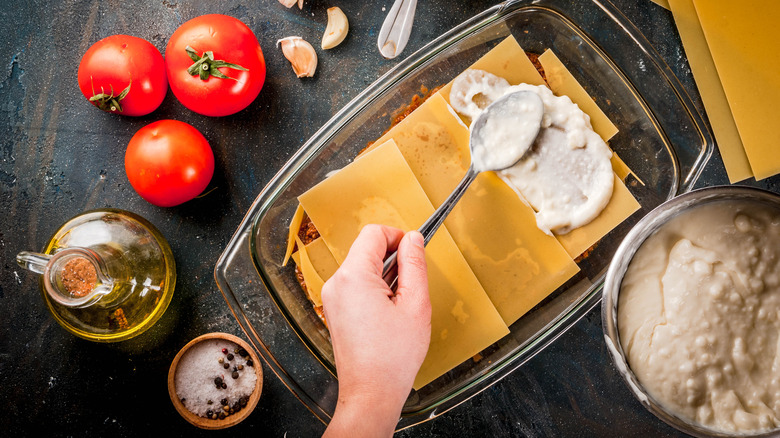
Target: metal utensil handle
428	229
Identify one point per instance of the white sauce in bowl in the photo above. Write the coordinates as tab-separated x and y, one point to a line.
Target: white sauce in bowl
699	316
566	176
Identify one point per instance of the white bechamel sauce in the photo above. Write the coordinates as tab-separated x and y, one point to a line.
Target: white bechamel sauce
699	316
566	176
473	90
506	134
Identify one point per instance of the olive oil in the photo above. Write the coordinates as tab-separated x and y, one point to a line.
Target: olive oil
138	266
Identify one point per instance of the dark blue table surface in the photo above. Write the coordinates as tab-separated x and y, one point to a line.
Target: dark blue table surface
59	157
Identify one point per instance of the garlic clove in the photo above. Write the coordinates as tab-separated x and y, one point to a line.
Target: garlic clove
289	3
300	4
337	28
301	55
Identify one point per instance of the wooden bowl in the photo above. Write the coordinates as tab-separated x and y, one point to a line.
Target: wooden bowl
230	420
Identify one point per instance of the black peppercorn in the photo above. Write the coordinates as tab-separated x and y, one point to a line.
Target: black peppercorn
223	402
243	400
230	356
218	381
234	374
224	385
250	363
242	352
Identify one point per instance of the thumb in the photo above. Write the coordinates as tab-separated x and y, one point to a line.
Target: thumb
412	272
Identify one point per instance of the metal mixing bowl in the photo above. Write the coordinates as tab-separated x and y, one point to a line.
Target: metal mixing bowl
646	227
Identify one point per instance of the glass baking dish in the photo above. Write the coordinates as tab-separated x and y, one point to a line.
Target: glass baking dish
662	139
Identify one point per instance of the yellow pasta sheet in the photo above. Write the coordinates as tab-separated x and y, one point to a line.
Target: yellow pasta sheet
742	38
317	266
516	263
381	188
662	3
712	94
562	83
295	224
620	207
507	60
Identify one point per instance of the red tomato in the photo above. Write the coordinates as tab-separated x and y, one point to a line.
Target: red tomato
169	162
215	65
123	74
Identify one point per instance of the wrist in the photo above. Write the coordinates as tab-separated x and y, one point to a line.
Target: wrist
365	413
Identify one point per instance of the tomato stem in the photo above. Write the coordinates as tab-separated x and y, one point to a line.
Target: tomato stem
203	195
107	101
206	66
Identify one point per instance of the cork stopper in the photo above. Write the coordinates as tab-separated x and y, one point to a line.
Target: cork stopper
74	277
78	277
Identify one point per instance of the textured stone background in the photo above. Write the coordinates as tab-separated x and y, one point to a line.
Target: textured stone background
59	157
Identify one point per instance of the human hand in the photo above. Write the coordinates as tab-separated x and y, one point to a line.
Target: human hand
379	338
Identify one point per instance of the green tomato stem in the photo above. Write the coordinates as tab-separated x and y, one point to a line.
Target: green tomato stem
206	66
107	101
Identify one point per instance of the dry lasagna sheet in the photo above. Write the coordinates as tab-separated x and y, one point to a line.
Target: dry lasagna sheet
489	263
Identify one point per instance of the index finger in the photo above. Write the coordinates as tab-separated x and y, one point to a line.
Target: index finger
372	244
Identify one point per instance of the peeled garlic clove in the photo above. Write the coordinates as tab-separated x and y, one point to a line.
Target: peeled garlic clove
337	28
289	3
300	4
301	55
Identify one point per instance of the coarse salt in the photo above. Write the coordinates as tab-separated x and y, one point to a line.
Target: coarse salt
200	366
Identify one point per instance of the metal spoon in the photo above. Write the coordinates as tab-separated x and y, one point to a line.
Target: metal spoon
396	28
524	111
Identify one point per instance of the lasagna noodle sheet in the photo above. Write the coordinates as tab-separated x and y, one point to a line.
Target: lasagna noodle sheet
662	3
317	266
380	188
620	207
507	60
712	94
742	38
516	263
562	83
295	225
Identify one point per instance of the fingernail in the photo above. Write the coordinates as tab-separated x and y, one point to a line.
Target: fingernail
417	238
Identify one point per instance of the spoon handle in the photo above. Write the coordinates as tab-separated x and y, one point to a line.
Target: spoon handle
428	229
396	28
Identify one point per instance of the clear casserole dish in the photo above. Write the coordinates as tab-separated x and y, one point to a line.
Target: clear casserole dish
661	138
